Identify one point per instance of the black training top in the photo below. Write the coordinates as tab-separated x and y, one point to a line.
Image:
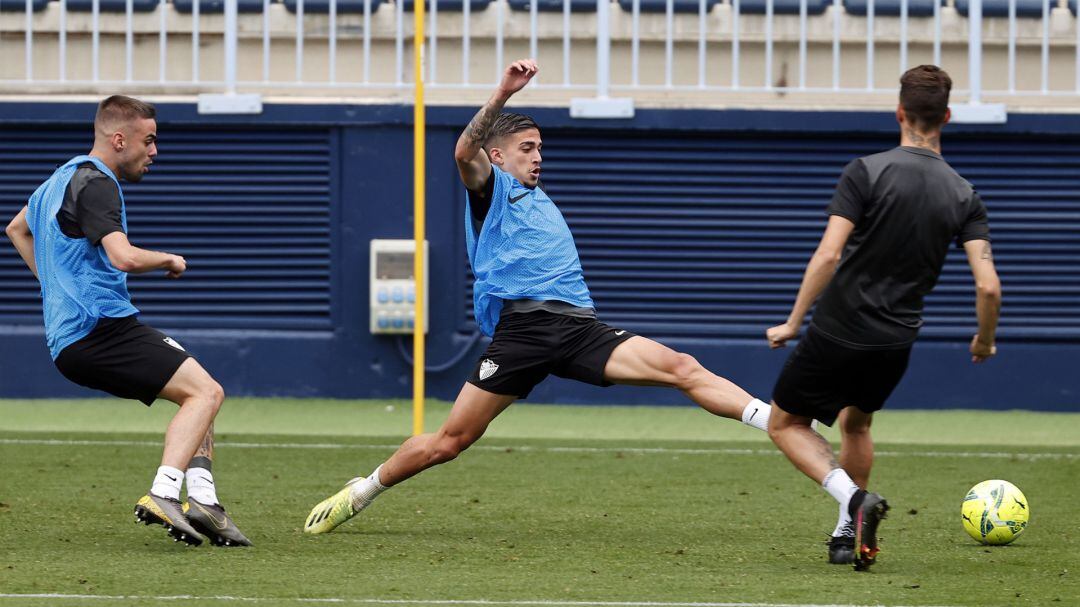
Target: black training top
907	205
91	207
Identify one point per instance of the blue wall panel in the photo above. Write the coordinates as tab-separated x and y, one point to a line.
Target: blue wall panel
368	194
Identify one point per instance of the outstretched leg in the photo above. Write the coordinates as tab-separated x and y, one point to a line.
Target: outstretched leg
473	410
643	362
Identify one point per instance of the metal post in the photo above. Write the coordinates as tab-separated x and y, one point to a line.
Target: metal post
669	41
603	48
63	40
735	43
419	214
28	40
602	106
975	51
129	40
162	38
230	46
332	46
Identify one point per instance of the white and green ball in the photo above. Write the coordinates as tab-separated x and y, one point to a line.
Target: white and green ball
995	512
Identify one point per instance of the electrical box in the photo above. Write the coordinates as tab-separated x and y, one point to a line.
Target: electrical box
393	286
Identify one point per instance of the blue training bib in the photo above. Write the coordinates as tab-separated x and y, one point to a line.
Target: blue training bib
524	250
79	285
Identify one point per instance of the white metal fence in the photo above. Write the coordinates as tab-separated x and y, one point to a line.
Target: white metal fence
610	48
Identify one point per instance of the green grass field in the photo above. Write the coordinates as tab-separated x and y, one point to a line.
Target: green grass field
556	507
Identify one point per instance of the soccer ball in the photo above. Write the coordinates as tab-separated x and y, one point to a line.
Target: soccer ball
995	512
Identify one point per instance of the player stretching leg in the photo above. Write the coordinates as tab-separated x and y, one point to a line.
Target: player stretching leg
530	295
73	236
891	221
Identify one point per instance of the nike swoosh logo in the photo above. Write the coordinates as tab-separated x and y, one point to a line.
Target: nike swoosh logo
219	523
514	199
619	332
752	415
171	478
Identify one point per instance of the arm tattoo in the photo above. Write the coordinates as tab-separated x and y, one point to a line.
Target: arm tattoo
986	254
476	133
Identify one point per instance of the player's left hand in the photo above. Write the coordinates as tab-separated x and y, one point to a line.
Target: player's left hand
779	335
517	75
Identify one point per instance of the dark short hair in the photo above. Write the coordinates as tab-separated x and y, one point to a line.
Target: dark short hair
924	95
121	109
509	123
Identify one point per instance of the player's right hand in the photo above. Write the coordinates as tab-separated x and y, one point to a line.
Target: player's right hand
981	351
517	75
779	335
177	266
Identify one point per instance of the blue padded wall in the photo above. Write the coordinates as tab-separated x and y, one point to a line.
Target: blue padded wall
693	226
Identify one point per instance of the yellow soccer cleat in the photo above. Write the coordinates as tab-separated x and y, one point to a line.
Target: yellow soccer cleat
336	509
155	510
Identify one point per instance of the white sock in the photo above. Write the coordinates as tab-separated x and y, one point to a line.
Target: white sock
840	486
167	482
200	486
367	489
756	414
842	522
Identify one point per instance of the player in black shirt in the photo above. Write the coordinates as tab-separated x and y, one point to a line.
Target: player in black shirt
891	221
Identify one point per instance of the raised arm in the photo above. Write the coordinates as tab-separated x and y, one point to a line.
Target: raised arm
472	161
23	239
131	259
987	298
819	271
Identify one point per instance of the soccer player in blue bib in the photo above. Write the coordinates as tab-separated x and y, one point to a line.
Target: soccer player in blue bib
530	296
73	236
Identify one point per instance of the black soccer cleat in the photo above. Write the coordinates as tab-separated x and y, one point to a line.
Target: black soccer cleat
867	516
211	521
842	547
155	510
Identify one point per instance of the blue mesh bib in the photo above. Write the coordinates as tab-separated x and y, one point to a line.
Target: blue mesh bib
78	283
524	251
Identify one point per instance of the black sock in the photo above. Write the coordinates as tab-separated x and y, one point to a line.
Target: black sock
855	502
200	462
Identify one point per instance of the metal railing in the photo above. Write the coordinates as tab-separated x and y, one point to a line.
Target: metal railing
718	47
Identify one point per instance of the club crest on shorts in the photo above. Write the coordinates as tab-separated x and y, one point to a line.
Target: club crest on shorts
488	368
172	342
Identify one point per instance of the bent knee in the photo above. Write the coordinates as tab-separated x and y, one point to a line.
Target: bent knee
686	369
208	394
852	422
449	447
215	393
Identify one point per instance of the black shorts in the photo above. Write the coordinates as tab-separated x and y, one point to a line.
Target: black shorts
123	357
822	376
529	346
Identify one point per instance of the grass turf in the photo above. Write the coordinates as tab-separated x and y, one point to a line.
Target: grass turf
557	504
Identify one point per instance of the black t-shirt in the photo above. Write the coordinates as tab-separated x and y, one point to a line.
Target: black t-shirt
907	205
480	202
91	207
